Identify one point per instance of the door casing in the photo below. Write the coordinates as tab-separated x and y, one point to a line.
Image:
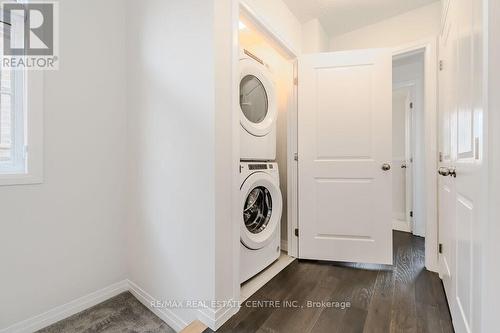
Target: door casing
429	47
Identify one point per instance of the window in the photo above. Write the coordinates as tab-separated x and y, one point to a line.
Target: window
12	122
21	124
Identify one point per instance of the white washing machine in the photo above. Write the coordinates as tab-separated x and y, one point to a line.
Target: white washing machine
258	111
261	208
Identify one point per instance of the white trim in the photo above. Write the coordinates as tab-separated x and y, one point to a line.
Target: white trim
445	4
236	181
490	247
216	318
266	28
167	315
292	164
66	310
399	225
429	46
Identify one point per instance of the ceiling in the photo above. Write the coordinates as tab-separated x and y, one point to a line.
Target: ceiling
341	16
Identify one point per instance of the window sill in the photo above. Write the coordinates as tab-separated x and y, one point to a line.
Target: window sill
20	179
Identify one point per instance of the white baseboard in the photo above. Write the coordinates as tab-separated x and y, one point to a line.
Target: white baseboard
400	226
66	310
165	314
215	319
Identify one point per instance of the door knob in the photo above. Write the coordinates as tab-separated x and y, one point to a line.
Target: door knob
386	167
403	166
453	172
444	171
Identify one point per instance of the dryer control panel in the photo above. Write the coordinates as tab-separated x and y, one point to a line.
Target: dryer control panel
247	168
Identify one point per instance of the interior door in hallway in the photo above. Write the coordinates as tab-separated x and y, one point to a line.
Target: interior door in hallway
461	162
345	153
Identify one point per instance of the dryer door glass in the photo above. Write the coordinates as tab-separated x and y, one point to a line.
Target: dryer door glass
258	210
253	99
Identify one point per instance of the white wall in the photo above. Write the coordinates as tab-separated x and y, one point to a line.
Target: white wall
314	37
226	168
277	14
64	239
126	115
408	27
172	142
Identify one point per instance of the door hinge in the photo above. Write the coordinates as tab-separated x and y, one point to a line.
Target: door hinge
296	232
441	66
440	157
440	248
295	156
411	213
411	105
296	81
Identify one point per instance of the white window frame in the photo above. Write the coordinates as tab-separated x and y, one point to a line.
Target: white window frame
18	128
33	120
28	165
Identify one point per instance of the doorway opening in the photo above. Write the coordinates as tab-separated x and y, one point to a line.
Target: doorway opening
408	130
419	199
257	47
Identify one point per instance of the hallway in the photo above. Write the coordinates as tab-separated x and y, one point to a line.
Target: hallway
406	298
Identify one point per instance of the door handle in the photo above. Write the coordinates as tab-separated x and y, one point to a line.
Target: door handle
386	167
445	172
453	172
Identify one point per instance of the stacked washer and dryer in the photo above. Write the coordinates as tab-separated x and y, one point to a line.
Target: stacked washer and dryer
261	201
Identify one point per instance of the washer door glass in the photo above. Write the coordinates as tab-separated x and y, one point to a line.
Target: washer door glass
253	99
257	210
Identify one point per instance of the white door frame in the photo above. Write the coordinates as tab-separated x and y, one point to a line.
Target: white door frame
429	47
241	6
491	184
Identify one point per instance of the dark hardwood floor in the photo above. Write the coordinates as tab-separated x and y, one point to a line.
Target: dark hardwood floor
402	298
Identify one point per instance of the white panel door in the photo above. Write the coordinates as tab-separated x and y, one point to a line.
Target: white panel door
461	163
402	189
345	142
446	184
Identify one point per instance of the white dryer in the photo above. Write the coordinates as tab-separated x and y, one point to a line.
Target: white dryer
258	111
261	208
